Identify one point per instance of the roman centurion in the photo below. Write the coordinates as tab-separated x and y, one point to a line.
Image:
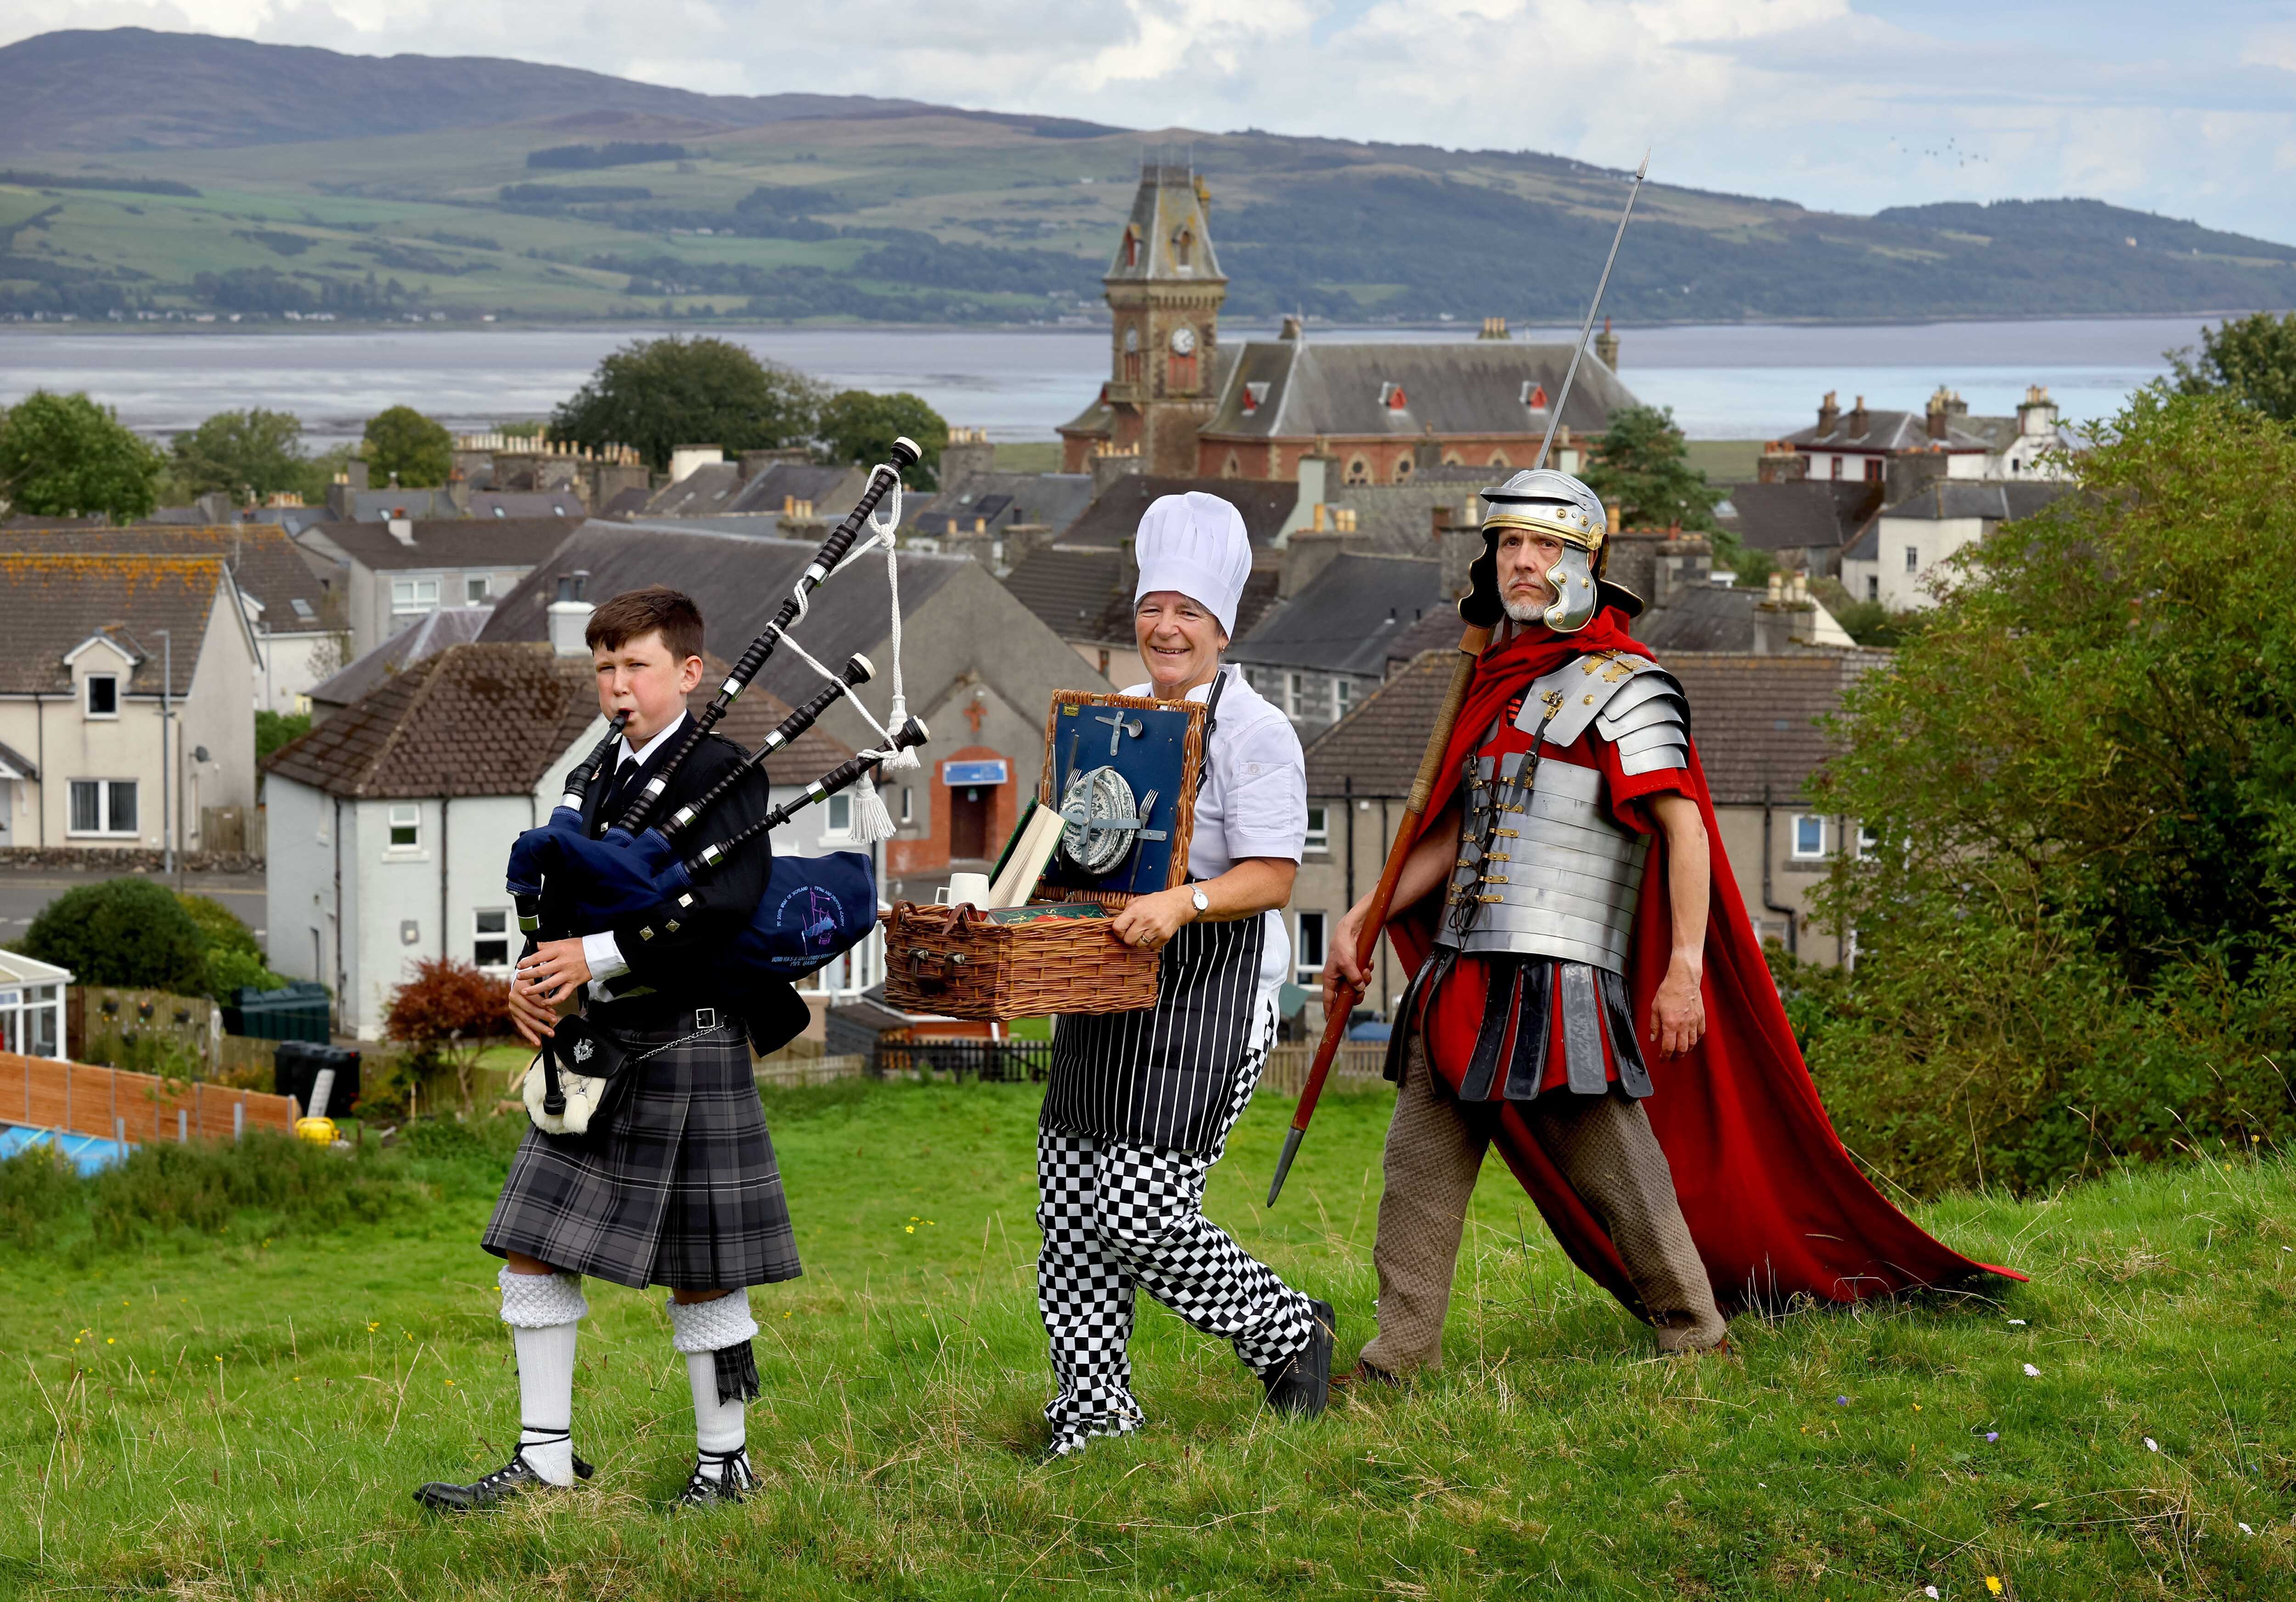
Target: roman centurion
1588	994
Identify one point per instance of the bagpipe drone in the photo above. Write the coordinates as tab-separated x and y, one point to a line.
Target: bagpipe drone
565	882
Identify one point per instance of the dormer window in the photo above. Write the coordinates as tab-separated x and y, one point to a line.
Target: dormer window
1393	398
1534	395
1131	248
1253	395
102	696
1184	246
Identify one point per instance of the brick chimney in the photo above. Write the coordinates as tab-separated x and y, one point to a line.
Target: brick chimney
1606	346
1857	419
1829	413
569	614
1937	416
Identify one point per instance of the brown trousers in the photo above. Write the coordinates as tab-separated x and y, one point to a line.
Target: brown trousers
1604	1148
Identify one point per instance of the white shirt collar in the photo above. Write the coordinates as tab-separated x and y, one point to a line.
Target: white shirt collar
641	753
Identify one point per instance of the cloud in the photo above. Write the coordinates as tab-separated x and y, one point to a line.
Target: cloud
1843	104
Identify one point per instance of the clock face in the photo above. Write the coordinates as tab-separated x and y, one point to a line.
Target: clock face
1132	339
1183	340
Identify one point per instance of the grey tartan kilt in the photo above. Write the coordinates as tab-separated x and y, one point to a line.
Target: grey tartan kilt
681	1189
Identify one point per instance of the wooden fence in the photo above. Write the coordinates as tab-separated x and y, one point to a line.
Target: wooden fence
1358	1067
793	1072
45	1093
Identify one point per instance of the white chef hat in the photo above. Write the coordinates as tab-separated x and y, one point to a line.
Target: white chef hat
1195	544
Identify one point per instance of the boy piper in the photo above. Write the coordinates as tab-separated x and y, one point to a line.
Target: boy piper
681	1188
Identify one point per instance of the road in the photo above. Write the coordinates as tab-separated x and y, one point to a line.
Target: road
22	895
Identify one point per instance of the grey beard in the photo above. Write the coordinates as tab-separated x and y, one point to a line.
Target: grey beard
1527	611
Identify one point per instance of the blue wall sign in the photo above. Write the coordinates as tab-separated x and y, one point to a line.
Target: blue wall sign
995	772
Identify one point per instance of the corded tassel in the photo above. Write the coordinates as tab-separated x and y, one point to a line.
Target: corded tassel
871	821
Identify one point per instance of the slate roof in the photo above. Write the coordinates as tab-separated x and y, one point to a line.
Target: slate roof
1379	744
1113	518
1702	617
1341	619
1461	387
380	506
266	564
1438	628
1998	500
1808	515
1054	499
1399	519
53	602
740	581
1755	719
426	635
1073	590
468	720
1880	430
717	487
453	542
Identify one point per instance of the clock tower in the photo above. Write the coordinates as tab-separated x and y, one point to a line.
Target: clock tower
1164	288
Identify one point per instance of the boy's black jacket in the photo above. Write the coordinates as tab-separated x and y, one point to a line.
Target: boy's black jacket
671	964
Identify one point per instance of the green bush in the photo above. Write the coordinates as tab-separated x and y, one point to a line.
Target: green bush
219	925
162	1187
37	1186
127	932
228	971
2074	939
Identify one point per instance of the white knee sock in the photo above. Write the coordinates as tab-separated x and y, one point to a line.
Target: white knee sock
718	1427
543	1311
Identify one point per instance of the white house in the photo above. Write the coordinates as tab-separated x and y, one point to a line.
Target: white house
391	822
393	572
95	751
1892	559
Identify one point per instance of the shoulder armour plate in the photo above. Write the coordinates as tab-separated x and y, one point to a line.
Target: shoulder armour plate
1581	689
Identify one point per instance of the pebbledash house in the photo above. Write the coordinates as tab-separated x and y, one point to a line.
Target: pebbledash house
1187	406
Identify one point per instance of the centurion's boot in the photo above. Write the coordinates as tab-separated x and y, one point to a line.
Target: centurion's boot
514	1478
1301	1384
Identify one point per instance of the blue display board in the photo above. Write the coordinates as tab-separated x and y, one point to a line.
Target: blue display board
1156	746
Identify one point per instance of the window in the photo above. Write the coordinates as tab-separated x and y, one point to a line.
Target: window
906	814
490	937
1319	829
1868	840
1837	466
1913	559
102	696
411	596
1358	470
1872	587
103	807
1809	835
1343	695
1873	470
31	1019
1310	964
405	828
1294	693
475	590
841	814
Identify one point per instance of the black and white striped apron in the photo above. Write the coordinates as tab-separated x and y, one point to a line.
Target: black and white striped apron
1164	1076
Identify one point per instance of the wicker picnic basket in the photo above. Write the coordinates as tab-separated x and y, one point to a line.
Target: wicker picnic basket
959	962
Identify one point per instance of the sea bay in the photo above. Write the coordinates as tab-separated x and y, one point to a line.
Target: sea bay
1724	380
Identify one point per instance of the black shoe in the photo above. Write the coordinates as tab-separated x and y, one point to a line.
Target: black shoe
1301	1384
719	1477
514	1478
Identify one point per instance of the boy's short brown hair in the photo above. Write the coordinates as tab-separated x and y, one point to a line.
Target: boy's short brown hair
656	608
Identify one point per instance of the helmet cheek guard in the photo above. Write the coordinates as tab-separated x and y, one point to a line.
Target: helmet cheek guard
1572	579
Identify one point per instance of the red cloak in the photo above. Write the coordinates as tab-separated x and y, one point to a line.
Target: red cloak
1774	1203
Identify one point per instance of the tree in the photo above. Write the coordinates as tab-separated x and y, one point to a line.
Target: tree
2251	358
402	441
253	454
858	426
128	933
449	1012
1641	466
64	456
659	394
2073	935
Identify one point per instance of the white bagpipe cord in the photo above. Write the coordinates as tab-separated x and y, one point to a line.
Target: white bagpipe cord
871	821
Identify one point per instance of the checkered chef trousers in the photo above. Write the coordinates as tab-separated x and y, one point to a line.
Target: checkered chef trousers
1116	1215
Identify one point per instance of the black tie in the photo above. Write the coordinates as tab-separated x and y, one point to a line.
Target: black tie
621	792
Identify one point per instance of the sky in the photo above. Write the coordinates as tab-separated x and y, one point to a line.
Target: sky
1852	105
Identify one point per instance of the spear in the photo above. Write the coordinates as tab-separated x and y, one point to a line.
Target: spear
1471	643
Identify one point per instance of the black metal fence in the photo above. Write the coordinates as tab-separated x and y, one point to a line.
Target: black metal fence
993	1062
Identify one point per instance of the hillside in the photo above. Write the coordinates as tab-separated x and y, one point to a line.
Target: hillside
221	176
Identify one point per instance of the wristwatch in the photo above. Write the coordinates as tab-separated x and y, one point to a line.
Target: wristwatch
1203	902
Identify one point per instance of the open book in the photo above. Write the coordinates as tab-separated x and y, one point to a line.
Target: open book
1025	857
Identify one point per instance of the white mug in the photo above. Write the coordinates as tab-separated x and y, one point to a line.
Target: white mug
961	889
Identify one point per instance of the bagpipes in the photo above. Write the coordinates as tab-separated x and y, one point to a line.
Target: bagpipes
565	882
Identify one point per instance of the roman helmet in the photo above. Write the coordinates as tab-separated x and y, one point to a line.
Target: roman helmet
1544	502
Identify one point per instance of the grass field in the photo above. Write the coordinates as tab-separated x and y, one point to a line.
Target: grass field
243	1414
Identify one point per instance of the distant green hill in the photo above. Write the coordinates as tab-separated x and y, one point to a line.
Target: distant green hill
219	176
